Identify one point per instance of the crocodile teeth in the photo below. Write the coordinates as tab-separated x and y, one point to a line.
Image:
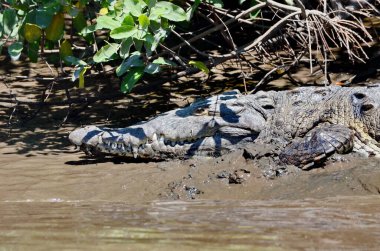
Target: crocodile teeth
114	146
135	153
162	139
154	137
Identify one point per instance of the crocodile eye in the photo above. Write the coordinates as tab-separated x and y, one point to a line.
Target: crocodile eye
359	95
200	111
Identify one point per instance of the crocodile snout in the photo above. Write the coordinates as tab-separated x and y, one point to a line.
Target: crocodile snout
76	136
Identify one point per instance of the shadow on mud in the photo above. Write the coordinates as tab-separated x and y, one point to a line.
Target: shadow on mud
85	160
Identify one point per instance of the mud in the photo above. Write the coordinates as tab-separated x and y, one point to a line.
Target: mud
69	175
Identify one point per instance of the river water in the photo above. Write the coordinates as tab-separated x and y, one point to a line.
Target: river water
346	223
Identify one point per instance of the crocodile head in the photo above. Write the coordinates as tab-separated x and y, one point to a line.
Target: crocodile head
207	127
366	109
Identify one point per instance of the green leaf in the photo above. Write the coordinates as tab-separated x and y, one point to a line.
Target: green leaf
1	26
71	60
65	50
164	23
106	53
255	13
152	68
9	21
151	3
32	32
79	22
200	65
128	20
141	35
106	22
81	77
80	25
191	10
167	10
135	7
158	37
144	21
76	73
133	61
55	30
114	6
125	47
124	31
149	40
131	79
42	18
163	61
14	50
79	73
33	48
138	44
89	29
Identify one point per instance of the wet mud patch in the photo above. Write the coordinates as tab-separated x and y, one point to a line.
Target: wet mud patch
70	176
234	177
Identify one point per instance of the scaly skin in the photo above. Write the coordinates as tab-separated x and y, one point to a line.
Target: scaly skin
208	127
307	125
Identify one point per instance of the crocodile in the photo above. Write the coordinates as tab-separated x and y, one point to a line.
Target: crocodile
306	125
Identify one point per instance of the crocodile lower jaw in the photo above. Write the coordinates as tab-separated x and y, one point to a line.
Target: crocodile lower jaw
154	147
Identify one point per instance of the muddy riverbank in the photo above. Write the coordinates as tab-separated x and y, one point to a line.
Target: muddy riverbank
67	174
52	196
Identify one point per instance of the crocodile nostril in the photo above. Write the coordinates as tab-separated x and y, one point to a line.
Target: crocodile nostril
366	107
268	107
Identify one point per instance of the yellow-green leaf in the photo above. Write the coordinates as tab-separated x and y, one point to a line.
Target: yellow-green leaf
32	32
200	65
55	30
103	11
81	77
144	21
65	49
79	22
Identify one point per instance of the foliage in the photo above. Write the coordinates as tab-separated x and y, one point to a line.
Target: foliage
131	34
135	28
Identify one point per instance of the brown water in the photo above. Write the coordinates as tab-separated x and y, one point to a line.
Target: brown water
333	224
58	200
